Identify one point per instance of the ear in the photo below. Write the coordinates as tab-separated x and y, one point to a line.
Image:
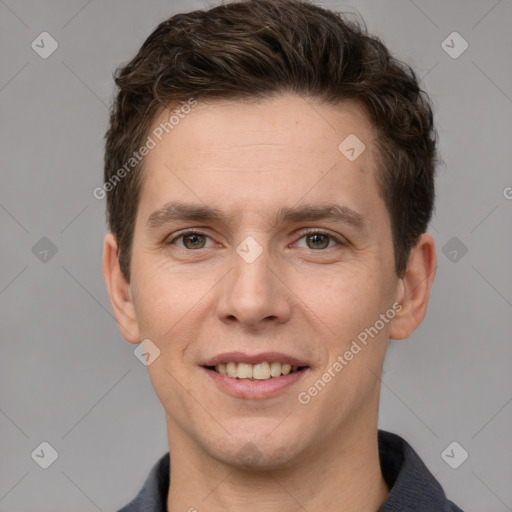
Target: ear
119	291
414	288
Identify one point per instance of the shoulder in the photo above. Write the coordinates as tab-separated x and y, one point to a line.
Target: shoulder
412	486
153	495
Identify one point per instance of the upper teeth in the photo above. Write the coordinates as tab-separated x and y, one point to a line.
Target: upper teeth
260	371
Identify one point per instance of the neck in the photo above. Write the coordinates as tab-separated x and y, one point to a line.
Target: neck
333	476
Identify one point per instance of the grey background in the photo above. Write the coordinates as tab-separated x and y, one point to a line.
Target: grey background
67	375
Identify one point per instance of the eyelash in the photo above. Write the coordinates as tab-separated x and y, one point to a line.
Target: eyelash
302	235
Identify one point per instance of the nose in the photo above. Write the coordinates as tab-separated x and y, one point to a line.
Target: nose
253	293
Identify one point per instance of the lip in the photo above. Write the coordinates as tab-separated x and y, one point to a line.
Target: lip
254	389
241	357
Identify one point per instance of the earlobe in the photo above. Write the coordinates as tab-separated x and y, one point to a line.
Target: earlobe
414	288
119	291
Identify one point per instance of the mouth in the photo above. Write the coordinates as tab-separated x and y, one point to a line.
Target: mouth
258	376
266	370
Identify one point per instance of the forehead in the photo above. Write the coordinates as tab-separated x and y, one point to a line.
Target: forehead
284	122
260	153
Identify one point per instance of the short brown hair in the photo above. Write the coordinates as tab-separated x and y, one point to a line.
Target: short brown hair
260	48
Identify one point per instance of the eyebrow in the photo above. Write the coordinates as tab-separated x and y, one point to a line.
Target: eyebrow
176	211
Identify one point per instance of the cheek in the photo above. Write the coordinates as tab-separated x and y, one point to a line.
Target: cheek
350	304
346	300
169	303
160	298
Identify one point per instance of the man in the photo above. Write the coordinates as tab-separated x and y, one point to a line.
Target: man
269	172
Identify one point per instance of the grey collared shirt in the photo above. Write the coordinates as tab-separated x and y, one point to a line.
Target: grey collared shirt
412	487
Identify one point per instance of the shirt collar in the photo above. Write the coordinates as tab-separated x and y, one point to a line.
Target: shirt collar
412	486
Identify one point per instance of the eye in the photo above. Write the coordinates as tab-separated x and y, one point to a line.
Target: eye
318	240
190	240
315	240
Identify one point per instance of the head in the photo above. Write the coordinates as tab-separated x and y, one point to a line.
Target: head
266	95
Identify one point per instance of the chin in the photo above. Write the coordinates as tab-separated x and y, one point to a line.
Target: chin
256	452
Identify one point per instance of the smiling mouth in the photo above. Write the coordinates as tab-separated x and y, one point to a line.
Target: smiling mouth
261	371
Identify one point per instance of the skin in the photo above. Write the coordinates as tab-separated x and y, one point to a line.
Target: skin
250	159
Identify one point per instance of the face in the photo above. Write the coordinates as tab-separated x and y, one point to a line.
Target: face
257	240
